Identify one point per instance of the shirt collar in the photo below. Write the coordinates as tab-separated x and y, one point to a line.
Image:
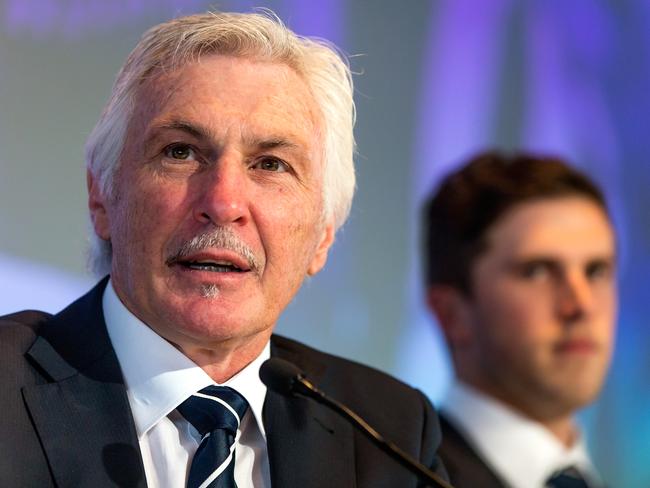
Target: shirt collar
159	377
523	452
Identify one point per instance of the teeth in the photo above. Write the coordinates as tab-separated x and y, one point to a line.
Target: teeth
220	266
219	263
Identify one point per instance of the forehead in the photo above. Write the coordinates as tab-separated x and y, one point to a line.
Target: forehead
563	227
230	94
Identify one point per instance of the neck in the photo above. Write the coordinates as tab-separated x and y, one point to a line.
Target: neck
559	423
225	361
564	429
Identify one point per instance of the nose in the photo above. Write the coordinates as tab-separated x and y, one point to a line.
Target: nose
575	297
222	193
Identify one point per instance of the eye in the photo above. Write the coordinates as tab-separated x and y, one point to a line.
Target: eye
598	270
534	270
271	164
180	152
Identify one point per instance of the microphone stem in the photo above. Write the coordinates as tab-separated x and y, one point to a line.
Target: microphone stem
425	475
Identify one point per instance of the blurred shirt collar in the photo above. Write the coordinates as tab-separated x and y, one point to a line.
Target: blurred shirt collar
521	451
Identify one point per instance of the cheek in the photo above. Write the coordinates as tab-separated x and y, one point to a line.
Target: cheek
605	315
295	244
506	306
517	320
606	300
143	218
294	219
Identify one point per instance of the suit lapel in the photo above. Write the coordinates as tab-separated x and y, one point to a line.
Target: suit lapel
86	432
463	463
309	445
82	416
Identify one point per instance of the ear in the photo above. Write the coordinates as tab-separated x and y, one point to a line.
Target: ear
320	256
97	207
453	311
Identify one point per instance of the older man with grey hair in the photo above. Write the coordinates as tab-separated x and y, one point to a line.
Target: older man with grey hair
218	174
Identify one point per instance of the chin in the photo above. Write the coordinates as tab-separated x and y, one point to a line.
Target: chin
575	396
203	331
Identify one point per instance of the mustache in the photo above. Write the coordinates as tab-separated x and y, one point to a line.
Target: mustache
218	238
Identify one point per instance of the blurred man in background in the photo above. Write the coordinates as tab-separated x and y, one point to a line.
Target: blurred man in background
520	272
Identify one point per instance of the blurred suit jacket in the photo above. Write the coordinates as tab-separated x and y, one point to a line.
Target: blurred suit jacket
465	467
66	419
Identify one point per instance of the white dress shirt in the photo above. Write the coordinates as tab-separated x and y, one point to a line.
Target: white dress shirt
158	378
522	452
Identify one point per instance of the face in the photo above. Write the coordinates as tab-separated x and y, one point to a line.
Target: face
217	215
539	322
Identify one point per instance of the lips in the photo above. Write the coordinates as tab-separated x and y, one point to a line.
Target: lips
213	261
215	267
576	346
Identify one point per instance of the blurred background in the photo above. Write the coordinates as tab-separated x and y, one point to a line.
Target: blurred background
437	80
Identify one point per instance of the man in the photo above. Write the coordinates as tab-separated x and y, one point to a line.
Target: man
218	174
520	273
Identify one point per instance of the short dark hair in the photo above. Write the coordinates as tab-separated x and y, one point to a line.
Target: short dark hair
470	200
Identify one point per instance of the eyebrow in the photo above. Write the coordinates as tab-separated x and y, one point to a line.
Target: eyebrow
611	259
201	132
271	143
550	259
193	129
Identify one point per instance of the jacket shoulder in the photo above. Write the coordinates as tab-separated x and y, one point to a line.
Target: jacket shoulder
402	413
343	375
317	362
18	330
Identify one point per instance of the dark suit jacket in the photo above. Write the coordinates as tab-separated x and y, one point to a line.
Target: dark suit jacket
465	467
65	419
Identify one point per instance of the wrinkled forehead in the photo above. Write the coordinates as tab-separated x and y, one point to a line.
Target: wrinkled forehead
218	89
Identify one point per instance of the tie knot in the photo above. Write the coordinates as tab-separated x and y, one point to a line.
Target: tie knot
214	407
568	477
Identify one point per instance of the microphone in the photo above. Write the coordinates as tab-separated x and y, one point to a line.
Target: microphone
288	380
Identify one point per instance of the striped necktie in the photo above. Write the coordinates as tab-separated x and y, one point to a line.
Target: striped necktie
216	412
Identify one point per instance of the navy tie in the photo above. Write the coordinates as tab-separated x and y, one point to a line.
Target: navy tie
216	412
569	477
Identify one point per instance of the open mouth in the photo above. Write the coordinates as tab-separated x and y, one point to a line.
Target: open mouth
221	266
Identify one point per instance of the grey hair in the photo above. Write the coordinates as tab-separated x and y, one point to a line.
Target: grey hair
263	36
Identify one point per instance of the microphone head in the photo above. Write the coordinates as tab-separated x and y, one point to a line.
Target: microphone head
280	376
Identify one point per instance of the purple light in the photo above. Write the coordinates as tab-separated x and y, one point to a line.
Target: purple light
461	76
44	19
323	18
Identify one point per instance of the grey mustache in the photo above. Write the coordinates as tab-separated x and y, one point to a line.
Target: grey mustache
217	238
